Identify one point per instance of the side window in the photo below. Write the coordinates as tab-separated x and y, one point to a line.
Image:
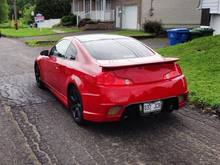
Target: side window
71	52
52	51
60	48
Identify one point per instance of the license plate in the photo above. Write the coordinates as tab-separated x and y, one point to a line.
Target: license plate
152	107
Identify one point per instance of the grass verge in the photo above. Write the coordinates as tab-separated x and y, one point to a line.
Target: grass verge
67	29
34	43
26	32
50	40
200	62
47	41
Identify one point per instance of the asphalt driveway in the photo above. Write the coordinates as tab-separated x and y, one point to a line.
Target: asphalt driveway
36	129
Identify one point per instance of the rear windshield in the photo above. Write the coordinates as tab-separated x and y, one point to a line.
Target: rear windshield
114	49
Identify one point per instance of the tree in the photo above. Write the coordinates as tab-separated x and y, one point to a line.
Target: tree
15	14
27	13
53	8
3	11
22	5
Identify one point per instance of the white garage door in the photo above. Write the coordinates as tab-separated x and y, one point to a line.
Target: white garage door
130	17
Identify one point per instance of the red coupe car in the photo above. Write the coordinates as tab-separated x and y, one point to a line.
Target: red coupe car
107	77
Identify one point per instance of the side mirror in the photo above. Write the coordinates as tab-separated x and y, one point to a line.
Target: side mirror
44	53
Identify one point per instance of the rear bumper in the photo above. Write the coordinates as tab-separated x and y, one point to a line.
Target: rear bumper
97	105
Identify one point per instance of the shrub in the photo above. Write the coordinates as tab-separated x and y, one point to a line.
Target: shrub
92	22
69	20
5	25
153	27
84	21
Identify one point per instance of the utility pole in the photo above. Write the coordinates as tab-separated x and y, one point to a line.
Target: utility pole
15	14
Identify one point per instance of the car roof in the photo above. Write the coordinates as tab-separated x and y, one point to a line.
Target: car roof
96	37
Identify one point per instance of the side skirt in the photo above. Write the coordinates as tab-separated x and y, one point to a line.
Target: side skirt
60	96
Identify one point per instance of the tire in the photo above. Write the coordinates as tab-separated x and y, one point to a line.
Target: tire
75	105
38	77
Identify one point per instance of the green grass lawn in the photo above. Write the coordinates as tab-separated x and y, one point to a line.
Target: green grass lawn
26	32
30	32
133	33
10	25
200	62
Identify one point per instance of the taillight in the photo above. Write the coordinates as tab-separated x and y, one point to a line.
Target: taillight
174	73
178	69
109	78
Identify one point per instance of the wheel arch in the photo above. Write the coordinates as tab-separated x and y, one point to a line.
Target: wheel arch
70	85
35	63
79	120
76	83
73	84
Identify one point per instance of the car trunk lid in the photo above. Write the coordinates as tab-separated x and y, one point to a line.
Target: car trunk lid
145	71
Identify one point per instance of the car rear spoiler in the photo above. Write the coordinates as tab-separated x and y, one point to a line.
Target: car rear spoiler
134	62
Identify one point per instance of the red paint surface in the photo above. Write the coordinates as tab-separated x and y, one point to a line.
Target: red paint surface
104	84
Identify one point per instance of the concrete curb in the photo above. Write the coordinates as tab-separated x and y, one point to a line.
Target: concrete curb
143	37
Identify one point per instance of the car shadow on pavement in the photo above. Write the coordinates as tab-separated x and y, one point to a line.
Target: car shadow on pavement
151	124
154	125
148	124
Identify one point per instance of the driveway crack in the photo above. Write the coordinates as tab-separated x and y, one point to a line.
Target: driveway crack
32	136
8	111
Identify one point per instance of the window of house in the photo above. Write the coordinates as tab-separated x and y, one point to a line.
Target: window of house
108	4
99	4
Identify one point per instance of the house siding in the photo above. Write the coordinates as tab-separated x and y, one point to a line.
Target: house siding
215	23
138	3
213	5
172	13
78	5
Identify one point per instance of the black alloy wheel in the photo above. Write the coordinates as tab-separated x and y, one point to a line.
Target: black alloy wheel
75	106
38	77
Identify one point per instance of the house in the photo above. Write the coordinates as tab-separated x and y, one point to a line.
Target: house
172	13
124	13
211	14
131	14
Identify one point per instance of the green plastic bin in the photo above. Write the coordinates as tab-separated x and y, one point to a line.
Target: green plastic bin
201	32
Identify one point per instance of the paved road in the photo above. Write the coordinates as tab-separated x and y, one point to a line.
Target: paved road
36	129
156	42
